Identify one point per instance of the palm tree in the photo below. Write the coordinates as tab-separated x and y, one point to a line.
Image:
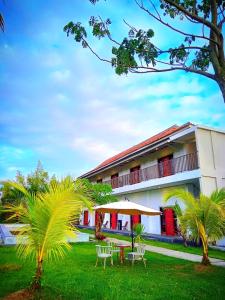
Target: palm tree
182	228
48	217
203	217
138	230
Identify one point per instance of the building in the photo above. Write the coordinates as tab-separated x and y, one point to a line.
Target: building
188	156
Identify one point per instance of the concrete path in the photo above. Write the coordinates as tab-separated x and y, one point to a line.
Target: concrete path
174	253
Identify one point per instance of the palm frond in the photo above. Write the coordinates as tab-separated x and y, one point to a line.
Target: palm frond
186	197
49	216
218	196
19	187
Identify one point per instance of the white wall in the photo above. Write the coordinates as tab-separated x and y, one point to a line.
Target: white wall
152	199
211	152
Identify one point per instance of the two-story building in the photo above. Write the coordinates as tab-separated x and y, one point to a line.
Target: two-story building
188	156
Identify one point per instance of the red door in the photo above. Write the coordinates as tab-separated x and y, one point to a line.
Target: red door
136	219
113	220
86	217
96	217
135	175
169	221
165	166
115	181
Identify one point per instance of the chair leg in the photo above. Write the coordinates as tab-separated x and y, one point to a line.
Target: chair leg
112	260
132	262
144	261
96	262
104	262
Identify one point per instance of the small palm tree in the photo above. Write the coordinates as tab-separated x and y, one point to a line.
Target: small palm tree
138	230
48	217
204	217
182	226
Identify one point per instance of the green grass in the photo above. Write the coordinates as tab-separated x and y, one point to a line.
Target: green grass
76	277
179	247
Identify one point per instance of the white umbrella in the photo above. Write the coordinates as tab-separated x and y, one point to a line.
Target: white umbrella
127	208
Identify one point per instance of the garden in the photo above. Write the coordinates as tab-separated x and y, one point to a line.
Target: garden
76	277
47	266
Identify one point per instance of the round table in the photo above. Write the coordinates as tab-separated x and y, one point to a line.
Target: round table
122	246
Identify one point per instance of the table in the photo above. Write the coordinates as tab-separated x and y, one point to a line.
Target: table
122	246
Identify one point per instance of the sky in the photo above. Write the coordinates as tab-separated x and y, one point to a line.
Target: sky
62	106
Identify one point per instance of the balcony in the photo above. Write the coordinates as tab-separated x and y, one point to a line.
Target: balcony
170	167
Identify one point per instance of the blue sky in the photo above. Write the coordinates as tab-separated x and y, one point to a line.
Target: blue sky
62	106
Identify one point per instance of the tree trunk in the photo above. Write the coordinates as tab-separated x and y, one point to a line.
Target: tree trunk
36	284
205	257
184	241
221	83
183	235
98	225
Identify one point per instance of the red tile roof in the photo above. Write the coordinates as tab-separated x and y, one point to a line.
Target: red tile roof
143	144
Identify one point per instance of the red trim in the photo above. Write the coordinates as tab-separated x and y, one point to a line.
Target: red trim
86	217
135	175
136	219
96	217
113	220
115	180
165	165
169	220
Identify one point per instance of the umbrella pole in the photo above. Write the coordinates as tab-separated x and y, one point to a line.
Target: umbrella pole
132	233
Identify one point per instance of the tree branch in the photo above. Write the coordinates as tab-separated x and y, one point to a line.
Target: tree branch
108	34
142	69
211	76
153	5
186	48
194	16
170	26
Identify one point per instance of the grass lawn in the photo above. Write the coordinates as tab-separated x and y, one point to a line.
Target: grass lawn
76	277
179	247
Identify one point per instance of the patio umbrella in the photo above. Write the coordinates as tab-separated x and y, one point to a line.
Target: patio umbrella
127	208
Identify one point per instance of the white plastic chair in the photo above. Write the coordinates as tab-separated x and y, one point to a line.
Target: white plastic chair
104	252
114	248
138	255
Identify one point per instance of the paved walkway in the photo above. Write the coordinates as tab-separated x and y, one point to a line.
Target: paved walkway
174	253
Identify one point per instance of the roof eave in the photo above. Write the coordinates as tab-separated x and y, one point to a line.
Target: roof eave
125	158
139	152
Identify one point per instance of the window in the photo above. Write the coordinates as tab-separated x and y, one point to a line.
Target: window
135	175
99	180
115	180
165	165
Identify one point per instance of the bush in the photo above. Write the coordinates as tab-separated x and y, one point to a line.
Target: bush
100	237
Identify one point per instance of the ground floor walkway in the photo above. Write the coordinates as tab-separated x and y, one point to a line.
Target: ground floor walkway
147	236
176	254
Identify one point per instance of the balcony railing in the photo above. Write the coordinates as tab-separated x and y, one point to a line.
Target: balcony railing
172	166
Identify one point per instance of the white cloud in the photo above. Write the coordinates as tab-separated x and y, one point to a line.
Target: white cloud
61	75
191	100
52	59
93	147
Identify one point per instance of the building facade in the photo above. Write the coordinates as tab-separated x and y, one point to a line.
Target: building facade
188	156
